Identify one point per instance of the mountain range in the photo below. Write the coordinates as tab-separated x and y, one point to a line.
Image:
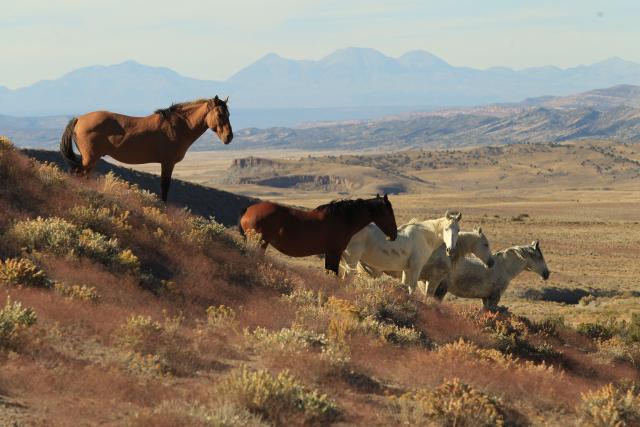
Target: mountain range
351	78
612	113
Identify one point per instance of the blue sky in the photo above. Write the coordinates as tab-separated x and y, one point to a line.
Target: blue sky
213	39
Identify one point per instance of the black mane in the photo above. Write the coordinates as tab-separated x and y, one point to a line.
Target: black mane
176	107
345	207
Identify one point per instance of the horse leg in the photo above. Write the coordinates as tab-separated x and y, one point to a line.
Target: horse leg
332	262
165	178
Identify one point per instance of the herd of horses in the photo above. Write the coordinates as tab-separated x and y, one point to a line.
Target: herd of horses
359	235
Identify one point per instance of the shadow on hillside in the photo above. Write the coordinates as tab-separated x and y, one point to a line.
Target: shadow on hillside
201	200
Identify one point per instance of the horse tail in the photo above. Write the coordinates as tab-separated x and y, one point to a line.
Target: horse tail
66	146
242	212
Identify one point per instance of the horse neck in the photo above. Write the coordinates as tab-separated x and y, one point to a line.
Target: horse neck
194	118
464	245
360	221
432	230
511	263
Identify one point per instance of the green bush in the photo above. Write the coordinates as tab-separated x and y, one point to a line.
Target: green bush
14	320
278	399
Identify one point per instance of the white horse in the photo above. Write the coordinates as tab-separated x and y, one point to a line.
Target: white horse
409	252
440	264
469	278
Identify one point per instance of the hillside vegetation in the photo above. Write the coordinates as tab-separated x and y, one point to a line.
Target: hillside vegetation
115	309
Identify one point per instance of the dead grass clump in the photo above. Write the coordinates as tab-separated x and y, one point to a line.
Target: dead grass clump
22	272
60	237
452	404
14	320
79	292
609	406
279	399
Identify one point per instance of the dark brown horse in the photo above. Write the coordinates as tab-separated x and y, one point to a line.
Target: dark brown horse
163	137
325	230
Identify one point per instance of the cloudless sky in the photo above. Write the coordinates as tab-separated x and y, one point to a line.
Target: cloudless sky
213	39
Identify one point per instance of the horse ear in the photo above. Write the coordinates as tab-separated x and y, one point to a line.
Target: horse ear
535	244
479	230
377	195
216	99
226	100
386	199
458	216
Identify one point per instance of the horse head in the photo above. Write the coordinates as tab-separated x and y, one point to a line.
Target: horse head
536	263
481	248
217	119
450	230
382	215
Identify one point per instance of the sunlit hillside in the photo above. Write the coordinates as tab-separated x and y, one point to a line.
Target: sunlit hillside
118	310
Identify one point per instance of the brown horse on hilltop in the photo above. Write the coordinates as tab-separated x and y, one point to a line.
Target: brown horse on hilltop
163	137
325	230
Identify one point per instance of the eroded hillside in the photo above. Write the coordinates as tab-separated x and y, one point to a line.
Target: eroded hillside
121	311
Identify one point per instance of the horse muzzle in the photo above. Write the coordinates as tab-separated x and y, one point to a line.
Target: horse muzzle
490	262
545	274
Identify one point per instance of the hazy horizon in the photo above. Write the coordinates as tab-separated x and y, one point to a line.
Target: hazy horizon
213	40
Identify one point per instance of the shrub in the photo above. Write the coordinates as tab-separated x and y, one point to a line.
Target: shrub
195	414
139	334
61	237
162	342
22	271
609	406
273	277
14	320
49	174
146	364
277	398
384	299
617	349
102	219
6	144
549	326
284	340
81	292
599	330
112	184
452	404
202	231
221	317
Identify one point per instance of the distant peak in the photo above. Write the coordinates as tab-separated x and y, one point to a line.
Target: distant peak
422	59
